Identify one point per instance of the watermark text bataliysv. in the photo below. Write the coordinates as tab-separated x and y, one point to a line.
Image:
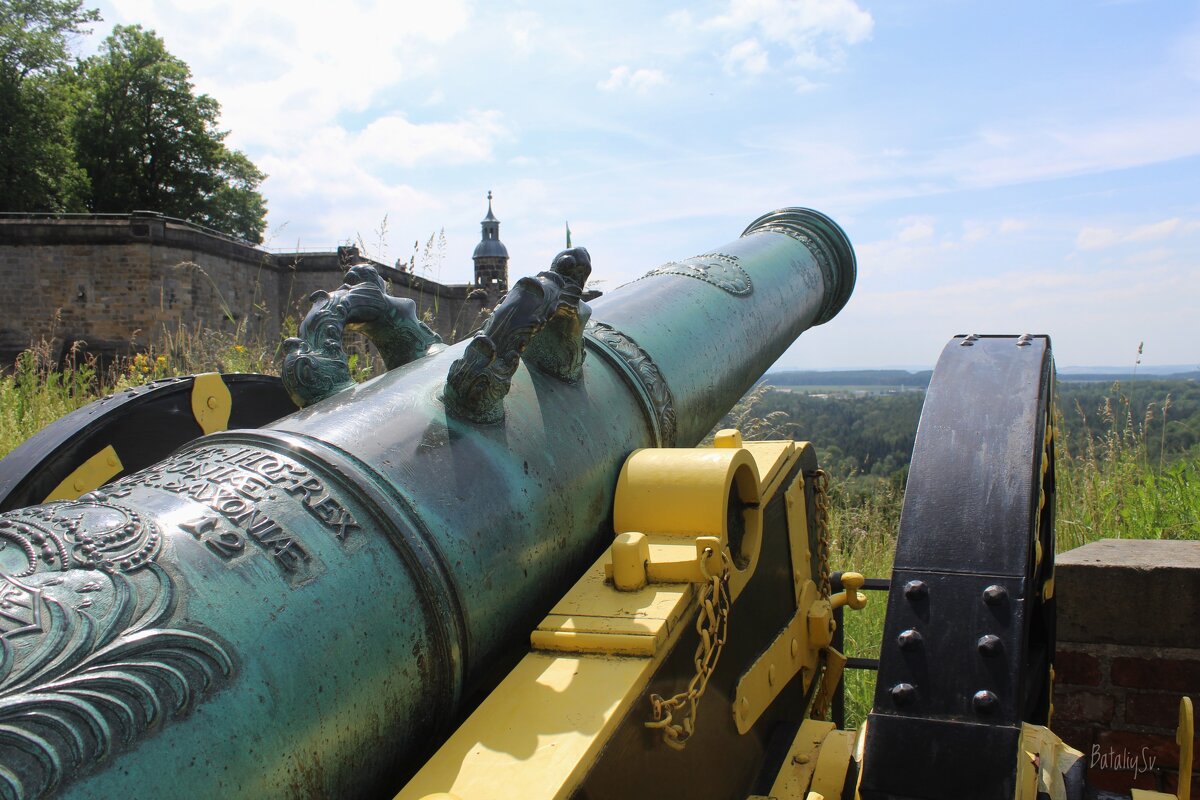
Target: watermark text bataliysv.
1123	761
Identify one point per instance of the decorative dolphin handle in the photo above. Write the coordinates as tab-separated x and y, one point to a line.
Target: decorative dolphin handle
540	319
315	364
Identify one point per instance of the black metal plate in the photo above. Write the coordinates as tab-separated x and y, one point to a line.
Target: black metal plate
948	706
932	759
144	425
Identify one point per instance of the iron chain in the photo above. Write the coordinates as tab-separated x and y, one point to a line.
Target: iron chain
821	498
712	624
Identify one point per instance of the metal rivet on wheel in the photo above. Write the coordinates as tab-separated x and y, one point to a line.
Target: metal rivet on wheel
903	693
916	590
990	645
985	702
909	639
995	594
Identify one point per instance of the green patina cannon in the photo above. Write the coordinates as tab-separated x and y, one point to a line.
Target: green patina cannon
305	608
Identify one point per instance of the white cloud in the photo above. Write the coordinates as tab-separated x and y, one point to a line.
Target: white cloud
916	230
1154	231
636	80
803	85
1041	150
815	32
523	29
747	57
304	63
1097	238
394	140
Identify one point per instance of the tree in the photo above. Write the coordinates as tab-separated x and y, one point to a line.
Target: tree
38	171
147	141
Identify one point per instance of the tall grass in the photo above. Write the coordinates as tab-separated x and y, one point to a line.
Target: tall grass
1109	486
41	388
38	391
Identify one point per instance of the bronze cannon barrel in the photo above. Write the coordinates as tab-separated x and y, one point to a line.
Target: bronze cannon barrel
301	610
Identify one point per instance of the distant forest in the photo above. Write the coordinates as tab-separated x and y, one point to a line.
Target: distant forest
920	379
868	438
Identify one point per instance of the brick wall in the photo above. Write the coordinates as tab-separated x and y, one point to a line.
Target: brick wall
115	281
1128	649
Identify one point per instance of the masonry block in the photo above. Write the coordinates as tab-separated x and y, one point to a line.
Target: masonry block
1074	667
1167	674
1127	592
1093	707
1155	709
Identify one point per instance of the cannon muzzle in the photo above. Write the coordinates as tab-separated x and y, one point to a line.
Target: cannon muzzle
302	610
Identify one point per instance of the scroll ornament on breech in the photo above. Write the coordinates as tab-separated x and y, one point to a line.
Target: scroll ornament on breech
315	364
93	654
541	319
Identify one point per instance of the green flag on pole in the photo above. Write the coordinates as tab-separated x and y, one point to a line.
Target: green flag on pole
568	235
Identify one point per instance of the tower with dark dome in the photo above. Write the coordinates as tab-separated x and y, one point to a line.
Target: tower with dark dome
491	256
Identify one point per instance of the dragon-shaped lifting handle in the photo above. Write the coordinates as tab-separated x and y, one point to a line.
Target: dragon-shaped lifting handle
540	319
315	364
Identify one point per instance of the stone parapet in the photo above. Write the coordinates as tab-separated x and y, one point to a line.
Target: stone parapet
115	281
1128	649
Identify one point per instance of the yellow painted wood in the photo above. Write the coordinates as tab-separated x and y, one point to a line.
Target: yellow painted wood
211	402
797	523
536	735
592	597
773	460
832	763
578	642
625	626
1184	735
90	475
594	617
801	761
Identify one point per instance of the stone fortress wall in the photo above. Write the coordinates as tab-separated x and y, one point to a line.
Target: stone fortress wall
115	281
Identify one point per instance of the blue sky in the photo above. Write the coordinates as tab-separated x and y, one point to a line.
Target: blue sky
1000	167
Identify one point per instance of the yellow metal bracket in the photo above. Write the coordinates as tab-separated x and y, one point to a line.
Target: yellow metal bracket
831	676
791	652
797	647
90	475
211	402
1184	736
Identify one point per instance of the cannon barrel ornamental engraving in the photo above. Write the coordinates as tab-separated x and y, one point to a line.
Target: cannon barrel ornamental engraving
302	610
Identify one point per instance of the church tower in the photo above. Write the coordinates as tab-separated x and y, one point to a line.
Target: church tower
491	256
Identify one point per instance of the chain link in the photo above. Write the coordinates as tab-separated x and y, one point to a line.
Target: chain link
712	624
821	498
